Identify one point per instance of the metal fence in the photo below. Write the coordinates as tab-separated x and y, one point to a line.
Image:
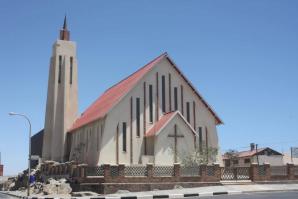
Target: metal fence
296	170
95	171
261	170
135	170
279	171
235	173
163	171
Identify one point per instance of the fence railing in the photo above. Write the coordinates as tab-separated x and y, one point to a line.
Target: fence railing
150	172
190	170
279	170
296	170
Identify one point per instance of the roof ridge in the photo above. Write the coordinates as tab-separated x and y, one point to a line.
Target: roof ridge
163	54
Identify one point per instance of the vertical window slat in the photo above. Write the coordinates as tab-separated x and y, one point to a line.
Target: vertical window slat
176	98
124	136
150	103
138	119
170	92
182	101
71	70
163	93
60	69
187	112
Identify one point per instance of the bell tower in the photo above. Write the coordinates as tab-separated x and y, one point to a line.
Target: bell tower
62	97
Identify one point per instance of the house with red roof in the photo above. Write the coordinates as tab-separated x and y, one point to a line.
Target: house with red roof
254	155
155	115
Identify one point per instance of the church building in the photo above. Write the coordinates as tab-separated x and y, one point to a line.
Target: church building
155	115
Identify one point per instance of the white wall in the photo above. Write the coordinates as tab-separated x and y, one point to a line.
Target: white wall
121	113
164	145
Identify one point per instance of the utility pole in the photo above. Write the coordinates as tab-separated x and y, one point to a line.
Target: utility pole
257	154
291	154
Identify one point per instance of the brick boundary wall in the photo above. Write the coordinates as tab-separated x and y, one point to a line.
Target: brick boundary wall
113	177
1	170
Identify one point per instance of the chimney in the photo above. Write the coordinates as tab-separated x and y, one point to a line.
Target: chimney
252	146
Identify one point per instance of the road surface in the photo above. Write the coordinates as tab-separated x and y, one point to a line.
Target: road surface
4	196
272	195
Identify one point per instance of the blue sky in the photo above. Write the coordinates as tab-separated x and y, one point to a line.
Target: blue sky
240	55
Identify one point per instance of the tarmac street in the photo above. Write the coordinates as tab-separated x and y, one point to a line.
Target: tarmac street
272	195
4	196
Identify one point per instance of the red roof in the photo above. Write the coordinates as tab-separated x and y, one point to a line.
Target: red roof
160	124
114	94
111	96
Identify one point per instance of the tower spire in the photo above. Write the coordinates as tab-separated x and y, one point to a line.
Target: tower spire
64	33
65	23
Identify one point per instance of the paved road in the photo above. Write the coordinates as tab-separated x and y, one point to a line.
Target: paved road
6	196
272	195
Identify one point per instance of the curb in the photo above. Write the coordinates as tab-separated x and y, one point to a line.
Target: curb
187	195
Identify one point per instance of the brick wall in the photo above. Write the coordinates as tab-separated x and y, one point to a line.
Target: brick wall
1	170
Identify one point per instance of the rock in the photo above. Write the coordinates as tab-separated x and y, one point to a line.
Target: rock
178	187
49	189
11	185
122	191
65	189
56	187
83	194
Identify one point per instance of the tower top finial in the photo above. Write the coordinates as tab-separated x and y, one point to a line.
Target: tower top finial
65	23
64	33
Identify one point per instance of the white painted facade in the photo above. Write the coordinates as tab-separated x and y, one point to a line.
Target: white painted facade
103	132
62	100
101	141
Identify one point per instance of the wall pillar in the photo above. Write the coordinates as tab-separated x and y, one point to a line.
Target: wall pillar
121	168
107	172
150	170
203	172
254	172
267	171
290	171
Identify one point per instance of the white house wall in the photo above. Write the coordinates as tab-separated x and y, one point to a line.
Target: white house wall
164	145
121	113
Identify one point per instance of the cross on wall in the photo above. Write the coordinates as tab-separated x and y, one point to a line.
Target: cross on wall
175	136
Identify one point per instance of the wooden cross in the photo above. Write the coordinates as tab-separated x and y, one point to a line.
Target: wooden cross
175	136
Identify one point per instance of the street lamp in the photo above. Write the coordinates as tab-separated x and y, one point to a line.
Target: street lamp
29	158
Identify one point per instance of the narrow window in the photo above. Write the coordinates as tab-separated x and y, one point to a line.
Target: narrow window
200	139
60	68
163	96
138	116
150	103
182	101
187	112
157	98
170	92
176	98
207	145
194	115
124	136
71	68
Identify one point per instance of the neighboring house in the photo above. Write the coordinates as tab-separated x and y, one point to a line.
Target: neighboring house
1	169
288	159
261	156
154	115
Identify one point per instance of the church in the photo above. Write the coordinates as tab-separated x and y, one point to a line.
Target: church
155	115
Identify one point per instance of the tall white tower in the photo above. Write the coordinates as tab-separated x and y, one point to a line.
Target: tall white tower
62	98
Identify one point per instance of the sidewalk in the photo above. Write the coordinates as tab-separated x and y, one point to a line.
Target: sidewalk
186	192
